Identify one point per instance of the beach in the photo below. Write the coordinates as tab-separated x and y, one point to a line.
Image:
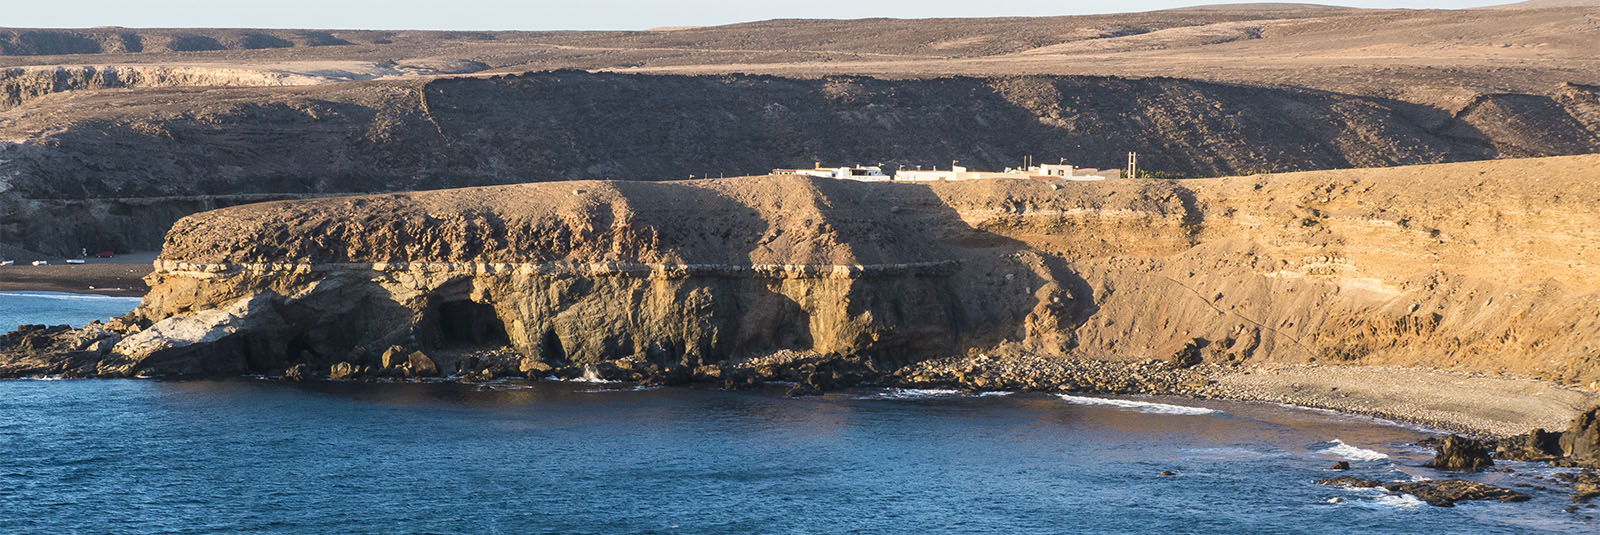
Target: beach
121	276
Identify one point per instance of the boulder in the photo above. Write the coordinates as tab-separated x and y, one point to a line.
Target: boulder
1461	454
394	357
1581	442
298	372
1341	465
419	365
342	371
534	367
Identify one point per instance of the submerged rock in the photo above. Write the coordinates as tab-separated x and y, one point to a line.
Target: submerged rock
1350	482
1440	493
1445	493
1585	485
1461	454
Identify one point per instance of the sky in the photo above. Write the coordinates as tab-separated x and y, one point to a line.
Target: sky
553	15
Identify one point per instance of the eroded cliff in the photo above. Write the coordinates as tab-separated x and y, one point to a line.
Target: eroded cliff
1478	267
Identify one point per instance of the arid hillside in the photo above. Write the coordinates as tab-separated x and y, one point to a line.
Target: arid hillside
107	135
109	169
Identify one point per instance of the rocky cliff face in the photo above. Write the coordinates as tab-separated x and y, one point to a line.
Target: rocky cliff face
1477	267
207	142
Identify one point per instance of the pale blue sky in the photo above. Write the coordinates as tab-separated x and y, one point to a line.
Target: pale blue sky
549	15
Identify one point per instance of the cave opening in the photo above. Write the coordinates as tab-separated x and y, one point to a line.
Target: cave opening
468	323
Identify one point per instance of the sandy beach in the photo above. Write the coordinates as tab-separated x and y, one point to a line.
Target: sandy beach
121	276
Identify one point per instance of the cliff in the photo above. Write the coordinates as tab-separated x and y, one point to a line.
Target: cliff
1479	267
133	155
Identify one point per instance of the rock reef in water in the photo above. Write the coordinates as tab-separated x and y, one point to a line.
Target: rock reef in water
831	283
1438	493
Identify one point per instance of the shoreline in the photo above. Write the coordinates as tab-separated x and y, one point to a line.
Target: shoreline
1472	404
1476	406
122	276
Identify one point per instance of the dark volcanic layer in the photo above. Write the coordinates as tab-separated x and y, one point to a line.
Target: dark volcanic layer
182	149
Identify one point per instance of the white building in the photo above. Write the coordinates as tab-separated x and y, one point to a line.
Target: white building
861	173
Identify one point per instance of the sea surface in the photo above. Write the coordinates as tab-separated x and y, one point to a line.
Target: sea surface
56	308
252	455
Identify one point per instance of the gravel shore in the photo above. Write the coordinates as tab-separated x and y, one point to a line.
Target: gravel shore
1471	404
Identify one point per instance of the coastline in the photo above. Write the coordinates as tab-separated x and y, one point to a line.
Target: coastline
1472	404
1468	403
122	276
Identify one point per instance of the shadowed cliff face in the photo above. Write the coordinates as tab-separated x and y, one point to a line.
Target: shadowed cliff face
186	143
1468	266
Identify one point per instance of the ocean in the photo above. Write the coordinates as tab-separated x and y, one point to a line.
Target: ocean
251	455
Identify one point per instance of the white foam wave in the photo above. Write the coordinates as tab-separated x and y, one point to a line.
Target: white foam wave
69	296
640	388
994	394
1347	452
591	375
1399	501
917	393
1140	406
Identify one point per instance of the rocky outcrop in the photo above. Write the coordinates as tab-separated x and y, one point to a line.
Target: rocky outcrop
1438	493
1461	454
1579	445
833	283
20	85
1446	492
1581	442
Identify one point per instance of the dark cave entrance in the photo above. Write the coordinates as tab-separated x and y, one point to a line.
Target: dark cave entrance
469	324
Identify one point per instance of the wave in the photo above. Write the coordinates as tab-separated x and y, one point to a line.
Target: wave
70	296
639	388
1398	501
591	375
1347	452
1140	406
916	393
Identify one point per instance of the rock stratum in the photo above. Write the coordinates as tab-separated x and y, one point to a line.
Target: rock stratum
108	135
115	157
1475	267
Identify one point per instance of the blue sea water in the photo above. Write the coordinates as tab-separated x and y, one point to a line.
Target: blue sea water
258	456
56	308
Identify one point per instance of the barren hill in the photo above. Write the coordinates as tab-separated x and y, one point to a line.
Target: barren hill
109	134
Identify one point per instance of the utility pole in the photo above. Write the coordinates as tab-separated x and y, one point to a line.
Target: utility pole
1133	165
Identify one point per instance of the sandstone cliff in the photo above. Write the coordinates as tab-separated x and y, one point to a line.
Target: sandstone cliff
1478	266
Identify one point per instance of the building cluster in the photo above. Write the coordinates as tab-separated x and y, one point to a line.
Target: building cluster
955	172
